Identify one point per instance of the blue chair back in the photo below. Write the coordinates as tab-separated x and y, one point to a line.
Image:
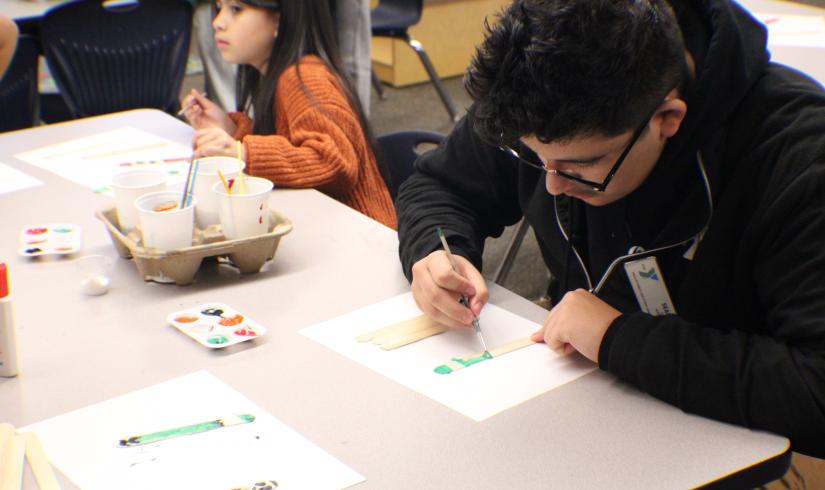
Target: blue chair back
18	87
113	58
399	151
392	18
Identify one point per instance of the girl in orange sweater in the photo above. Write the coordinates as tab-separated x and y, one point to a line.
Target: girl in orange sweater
308	129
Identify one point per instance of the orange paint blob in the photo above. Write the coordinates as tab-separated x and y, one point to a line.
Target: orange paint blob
230	322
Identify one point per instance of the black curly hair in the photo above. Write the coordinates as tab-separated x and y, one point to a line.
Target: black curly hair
558	69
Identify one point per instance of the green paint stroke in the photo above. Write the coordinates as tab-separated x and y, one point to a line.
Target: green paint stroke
466	362
187	430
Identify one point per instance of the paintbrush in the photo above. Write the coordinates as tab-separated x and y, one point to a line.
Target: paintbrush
188	180
194	101
464	300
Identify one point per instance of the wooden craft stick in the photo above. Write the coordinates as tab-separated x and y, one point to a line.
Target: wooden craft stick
406	326
511	346
11	471
394	342
457	363
39	463
396	336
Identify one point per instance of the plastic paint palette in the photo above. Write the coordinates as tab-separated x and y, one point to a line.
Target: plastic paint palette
215	325
53	238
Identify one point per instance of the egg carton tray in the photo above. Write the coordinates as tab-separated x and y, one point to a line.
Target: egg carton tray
181	265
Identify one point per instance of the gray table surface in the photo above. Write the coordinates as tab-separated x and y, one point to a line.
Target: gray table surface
75	350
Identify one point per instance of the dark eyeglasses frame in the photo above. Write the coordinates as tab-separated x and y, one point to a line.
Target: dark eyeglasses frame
596	186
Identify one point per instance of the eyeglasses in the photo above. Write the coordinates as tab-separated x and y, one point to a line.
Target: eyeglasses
596	186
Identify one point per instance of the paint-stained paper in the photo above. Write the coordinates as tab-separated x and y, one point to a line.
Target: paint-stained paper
478	391
84	444
92	161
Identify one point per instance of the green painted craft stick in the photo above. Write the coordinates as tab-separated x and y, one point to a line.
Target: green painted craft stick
187	430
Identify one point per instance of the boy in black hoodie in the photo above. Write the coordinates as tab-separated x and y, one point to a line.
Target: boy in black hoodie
675	180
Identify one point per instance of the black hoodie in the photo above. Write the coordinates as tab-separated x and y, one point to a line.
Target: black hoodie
734	213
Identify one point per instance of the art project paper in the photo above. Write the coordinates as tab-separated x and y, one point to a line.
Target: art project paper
84	444
12	180
794	30
479	391
94	160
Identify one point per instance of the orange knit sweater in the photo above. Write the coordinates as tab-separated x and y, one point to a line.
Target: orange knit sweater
313	147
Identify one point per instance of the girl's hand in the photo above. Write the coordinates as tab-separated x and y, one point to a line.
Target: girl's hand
203	113
211	142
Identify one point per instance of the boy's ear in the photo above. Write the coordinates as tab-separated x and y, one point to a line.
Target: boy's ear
672	112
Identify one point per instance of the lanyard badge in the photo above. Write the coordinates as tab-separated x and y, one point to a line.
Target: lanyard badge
649	286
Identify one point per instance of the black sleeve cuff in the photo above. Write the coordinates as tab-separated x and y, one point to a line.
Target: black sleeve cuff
607	341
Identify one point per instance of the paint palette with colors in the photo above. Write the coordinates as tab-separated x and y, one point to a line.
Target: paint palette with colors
52	238
215	325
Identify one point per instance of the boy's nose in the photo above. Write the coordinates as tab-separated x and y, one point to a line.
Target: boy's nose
557	185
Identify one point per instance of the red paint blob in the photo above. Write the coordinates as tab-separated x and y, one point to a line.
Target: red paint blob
36	231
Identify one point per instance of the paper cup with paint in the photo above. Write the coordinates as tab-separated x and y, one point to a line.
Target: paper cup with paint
207	211
163	224
128	186
93	271
244	214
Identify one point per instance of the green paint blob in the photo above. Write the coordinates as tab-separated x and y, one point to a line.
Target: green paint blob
443	369
217	340
469	361
473	360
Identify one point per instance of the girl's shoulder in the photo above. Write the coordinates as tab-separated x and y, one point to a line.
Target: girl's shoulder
310	70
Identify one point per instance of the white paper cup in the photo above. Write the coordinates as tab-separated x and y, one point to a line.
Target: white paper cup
244	215
207	211
128	186
166	230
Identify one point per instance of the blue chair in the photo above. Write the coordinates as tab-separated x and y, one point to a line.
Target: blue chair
118	55
399	150
393	18
18	87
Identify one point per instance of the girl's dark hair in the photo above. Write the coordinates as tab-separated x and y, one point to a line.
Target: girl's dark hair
306	27
558	69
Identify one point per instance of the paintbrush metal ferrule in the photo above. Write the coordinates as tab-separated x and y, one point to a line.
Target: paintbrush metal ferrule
186	430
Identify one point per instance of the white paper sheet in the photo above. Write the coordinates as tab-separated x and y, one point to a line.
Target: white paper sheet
794	30
478	391
12	180
93	160
83	444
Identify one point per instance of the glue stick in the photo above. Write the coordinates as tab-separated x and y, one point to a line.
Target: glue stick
8	329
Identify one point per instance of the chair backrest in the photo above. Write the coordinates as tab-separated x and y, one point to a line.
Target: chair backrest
393	17
113	58
18	87
399	151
